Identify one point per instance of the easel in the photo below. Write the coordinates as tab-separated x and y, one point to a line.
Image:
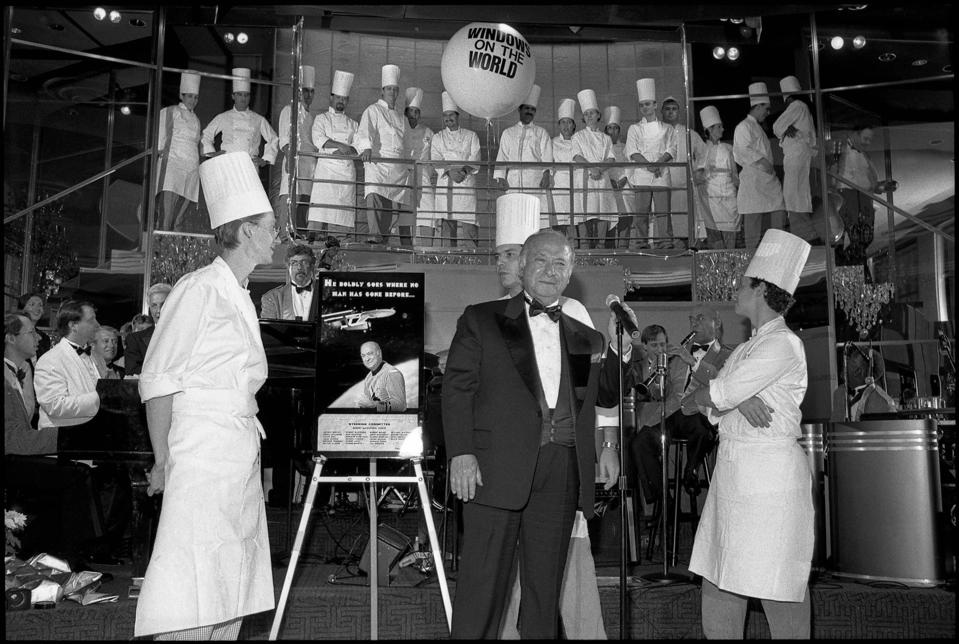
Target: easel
372	479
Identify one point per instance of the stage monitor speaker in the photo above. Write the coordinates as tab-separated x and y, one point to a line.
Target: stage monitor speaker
393	544
605	529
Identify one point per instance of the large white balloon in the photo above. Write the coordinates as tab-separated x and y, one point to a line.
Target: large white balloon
488	69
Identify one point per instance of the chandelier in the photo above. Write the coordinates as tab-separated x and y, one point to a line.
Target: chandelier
859	300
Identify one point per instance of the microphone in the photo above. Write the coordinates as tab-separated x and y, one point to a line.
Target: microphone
619	311
661	363
689	337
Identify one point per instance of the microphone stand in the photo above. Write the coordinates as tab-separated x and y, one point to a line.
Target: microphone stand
623	534
664	578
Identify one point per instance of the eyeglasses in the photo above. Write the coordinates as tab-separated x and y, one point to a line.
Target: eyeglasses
274	229
301	262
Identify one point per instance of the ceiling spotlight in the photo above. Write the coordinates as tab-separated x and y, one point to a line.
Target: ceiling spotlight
820	45
99	13
115	16
242	38
733	53
859	42
837	42
887	57
919	62
736	21
719	53
724	19
125	110
228	37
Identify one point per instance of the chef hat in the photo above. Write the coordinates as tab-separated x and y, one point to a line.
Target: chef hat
242	84
758	94
587	100
342	82
390	75
790	85
307	76
646	88
448	104
611	115
533	97
232	188
567	109
517	217
779	259
190	82
709	115
414	97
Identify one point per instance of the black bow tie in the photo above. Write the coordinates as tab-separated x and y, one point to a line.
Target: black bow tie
82	350
699	347
536	307
19	373
300	289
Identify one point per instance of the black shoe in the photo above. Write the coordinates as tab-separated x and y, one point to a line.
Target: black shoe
691	484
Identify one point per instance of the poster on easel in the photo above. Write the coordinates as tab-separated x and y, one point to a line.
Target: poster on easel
370	363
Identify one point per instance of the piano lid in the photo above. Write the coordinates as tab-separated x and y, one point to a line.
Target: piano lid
290	348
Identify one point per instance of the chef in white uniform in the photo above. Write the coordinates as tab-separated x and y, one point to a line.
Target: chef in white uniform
380	134
416	143
649	141
332	206
178	140
563	205
211	560
760	197
304	164
624	196
592	145
796	132
716	174
241	128
677	177
526	142
755	536
455	184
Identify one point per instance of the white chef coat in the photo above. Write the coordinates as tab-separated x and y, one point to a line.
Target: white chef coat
798	151
340	128
756	534
66	386
758	191
463	146
182	174
652	139
241	131
720	169
305	164
677	179
381	130
416	143
211	558
625	198
563	153
596	147
525	143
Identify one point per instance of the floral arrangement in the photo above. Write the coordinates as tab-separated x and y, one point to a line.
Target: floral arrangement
14	522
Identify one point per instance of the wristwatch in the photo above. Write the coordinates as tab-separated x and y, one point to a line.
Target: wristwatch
611	445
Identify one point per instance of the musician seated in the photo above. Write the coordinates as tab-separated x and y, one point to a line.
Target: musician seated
58	497
688	369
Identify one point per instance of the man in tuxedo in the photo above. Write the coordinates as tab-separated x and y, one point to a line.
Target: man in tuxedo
519	392
296	300
19	399
689	369
138	341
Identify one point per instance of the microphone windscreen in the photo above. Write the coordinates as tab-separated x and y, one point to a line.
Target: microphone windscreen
611	299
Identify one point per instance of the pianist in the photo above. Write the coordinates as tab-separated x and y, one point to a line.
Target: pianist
211	559
296	300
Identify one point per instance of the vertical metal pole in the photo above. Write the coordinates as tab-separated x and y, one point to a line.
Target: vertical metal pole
890	216
7	45
153	123
107	162
690	202
292	155
374	555
31	199
434	541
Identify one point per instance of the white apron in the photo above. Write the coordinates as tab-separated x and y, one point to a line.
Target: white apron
625	198
720	188
304	164
183	162
797	194
381	130
597	200
451	197
341	129
562	205
416	142
758	192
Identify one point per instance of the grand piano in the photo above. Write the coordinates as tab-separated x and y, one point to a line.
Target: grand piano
118	433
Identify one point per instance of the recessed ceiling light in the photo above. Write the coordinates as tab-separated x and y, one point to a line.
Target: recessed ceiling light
947	68
718	53
99	13
125	110
136	22
859	42
919	62
736	21
819	45
228	37
56	26
115	16
837	42
242	38
887	57
733	53
16	31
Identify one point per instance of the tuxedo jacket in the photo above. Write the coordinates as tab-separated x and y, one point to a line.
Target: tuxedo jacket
18	435
277	303
66	386
491	392
136	349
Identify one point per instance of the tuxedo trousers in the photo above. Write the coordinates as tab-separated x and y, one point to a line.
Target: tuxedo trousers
541	531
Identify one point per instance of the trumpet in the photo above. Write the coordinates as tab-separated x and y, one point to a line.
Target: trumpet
644	388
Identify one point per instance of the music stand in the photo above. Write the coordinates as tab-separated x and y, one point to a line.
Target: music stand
665	577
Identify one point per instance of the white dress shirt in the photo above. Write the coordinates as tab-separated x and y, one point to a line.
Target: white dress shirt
241	131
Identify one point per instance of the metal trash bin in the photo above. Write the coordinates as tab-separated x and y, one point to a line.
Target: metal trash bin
813	443
884	497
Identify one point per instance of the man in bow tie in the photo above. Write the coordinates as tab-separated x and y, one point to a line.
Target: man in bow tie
690	367
19	399
518	415
296	300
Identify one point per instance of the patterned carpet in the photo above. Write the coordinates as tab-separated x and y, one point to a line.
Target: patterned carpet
412	608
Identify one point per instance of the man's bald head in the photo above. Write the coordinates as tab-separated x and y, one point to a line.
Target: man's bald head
371	354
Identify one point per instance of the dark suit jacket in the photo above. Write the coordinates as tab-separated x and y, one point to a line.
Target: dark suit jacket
18	436
136	349
277	304
491	390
